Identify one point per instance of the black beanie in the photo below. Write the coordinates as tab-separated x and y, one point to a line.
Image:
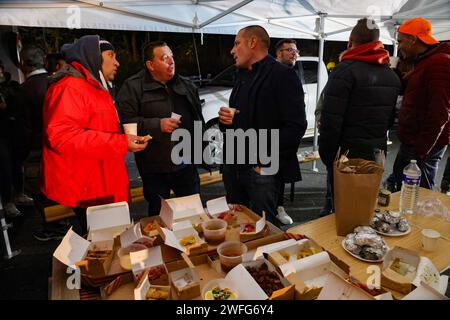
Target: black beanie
105	45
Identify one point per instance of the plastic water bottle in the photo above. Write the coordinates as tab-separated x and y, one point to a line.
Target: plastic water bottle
410	188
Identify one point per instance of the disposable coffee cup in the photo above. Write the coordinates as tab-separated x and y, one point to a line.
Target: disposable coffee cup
430	239
393	62
176	116
130	128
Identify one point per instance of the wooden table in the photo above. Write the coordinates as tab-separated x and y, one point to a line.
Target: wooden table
323	231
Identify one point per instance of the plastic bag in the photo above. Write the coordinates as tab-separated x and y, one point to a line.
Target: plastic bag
433	207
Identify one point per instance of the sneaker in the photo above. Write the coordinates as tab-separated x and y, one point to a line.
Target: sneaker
23	200
11	210
283	216
43	234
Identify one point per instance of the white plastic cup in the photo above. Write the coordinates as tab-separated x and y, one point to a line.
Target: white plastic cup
430	239
130	128
230	254
176	116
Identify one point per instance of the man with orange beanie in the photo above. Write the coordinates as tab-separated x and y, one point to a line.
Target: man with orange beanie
424	128
358	102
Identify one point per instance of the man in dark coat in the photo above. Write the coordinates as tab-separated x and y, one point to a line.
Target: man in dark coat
358	101
424	126
268	95
154	98
26	108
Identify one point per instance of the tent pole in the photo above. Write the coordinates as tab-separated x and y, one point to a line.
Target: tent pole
395	42
319	79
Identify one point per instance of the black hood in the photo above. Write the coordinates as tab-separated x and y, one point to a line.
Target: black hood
85	51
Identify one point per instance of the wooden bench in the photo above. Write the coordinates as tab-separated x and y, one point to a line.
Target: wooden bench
59	212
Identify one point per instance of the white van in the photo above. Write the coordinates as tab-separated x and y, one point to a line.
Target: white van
217	93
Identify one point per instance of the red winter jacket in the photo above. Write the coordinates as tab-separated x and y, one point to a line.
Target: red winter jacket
83	161
425	112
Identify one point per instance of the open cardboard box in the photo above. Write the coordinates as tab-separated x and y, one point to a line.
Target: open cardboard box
425	292
243	216
285	293
404	270
310	273
107	221
73	249
286	255
163	292
188	208
149	262
337	287
149	226
181	231
185	278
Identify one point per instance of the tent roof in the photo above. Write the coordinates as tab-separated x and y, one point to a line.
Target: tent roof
281	18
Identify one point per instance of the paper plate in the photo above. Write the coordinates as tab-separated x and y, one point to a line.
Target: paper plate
395	233
362	259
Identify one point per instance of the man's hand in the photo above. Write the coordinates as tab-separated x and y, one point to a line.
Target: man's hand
136	143
168	125
226	115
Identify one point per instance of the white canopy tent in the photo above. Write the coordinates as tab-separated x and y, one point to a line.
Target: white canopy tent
282	18
307	19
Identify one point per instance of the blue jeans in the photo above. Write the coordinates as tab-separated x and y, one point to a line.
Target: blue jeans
258	192
329	197
428	166
183	182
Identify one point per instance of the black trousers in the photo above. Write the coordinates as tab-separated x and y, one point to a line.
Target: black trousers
183	182
82	221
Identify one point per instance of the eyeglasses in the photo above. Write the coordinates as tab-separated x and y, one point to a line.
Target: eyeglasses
291	50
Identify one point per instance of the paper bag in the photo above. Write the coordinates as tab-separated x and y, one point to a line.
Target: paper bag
356	186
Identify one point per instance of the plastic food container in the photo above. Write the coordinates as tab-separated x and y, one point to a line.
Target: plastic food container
215	230
230	254
124	254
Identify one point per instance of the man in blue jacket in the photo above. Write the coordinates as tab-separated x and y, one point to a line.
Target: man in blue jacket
267	95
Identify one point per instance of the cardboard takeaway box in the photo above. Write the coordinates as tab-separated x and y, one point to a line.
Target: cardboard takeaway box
241	218
96	257
252	289
404	270
180	209
337	287
303	263
150	262
144	290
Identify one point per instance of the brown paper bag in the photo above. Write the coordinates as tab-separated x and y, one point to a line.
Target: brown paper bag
356	186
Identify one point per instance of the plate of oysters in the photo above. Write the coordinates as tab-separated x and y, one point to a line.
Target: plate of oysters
365	244
390	223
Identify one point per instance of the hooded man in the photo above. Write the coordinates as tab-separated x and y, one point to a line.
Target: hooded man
423	128
83	148
358	101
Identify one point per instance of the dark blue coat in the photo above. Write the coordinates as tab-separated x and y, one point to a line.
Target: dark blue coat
276	101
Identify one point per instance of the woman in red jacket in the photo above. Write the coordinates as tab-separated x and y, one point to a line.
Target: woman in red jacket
84	150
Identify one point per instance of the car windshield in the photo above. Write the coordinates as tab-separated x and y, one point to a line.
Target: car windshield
226	78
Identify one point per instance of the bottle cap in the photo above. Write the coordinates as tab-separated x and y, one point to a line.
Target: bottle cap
413	161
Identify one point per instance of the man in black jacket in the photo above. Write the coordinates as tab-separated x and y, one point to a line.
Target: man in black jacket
359	101
154	98
27	105
268	96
